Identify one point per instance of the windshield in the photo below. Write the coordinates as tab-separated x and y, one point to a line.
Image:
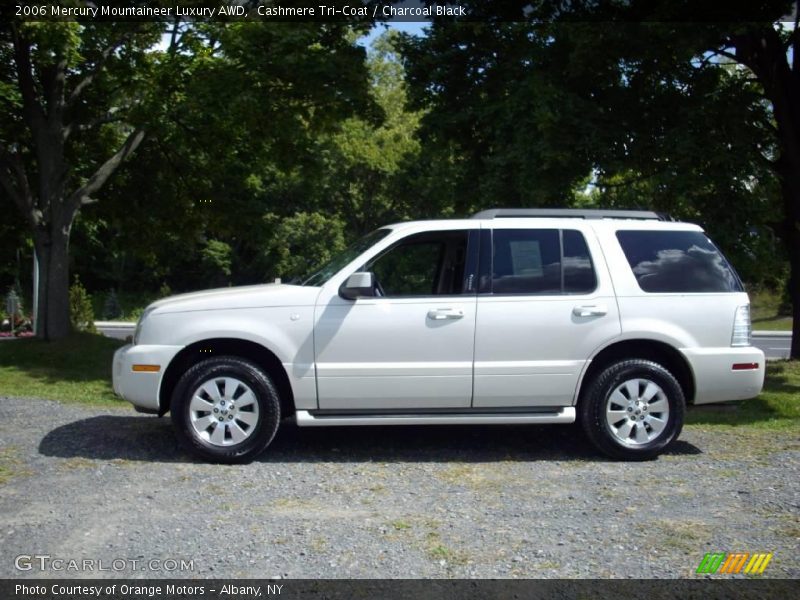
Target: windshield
334	265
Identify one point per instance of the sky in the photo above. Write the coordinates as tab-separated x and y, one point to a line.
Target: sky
410	27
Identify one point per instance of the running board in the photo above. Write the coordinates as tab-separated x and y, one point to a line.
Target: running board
565	415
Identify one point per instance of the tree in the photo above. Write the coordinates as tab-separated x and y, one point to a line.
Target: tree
224	102
66	91
627	94
765	50
366	177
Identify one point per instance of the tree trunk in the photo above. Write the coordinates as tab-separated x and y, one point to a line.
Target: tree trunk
52	318
786	104
765	55
790	187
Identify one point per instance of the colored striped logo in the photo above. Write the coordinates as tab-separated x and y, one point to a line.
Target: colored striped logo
734	562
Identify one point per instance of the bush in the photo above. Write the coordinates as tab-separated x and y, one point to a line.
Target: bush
81	314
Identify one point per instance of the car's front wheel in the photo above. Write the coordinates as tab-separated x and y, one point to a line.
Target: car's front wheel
633	409
225	409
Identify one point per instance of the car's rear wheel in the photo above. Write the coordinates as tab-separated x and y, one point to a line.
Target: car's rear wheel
633	409
225	409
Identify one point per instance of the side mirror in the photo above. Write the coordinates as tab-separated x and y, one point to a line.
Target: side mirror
357	285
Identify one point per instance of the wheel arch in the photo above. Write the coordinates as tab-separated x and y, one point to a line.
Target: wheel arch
656	351
246	349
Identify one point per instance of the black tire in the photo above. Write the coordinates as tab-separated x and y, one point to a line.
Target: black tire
610	438
263	419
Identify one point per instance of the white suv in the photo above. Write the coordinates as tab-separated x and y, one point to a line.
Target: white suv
615	318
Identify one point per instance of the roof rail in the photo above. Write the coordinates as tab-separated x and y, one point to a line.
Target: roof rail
570	213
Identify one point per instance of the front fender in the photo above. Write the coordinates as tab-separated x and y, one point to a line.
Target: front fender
287	332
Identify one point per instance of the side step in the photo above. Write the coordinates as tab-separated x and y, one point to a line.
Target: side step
565	415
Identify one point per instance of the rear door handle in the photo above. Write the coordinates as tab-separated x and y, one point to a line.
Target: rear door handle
440	314
593	310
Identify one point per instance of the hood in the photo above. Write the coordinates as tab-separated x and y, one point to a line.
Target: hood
250	296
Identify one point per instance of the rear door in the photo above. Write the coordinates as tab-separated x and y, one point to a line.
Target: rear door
545	304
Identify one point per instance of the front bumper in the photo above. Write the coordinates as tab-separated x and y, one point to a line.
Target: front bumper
140	388
715	378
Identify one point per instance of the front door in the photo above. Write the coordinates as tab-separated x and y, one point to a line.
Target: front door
410	346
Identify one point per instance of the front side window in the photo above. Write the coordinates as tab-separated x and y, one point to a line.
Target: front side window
541	261
425	264
333	266
677	261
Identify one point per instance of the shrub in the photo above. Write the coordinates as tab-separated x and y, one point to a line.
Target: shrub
81	314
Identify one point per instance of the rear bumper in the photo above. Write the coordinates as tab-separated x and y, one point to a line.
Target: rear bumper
141	388
715	378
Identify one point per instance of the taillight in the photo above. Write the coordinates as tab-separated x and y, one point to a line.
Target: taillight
741	327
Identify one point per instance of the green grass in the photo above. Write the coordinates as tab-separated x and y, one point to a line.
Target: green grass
78	369
10	464
75	369
767	312
777	408
773	324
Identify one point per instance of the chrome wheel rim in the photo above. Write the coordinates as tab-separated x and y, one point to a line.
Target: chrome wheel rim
223	411
637	412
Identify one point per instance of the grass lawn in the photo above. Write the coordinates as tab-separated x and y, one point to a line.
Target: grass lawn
76	369
765	312
777	408
773	324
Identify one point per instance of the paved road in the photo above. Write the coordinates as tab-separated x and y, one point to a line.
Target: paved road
775	344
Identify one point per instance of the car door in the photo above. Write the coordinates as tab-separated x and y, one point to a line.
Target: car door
410	346
546	303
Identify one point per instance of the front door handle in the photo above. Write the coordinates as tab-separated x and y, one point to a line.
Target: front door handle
440	314
593	310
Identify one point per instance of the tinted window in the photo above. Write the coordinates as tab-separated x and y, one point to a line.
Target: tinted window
526	261
677	261
426	264
579	277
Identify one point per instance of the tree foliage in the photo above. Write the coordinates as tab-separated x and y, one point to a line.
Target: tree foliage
262	148
696	119
221	103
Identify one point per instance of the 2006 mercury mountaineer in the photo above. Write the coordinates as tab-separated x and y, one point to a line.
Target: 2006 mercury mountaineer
615	318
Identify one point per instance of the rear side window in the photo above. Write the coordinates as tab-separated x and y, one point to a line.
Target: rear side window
541	261
677	261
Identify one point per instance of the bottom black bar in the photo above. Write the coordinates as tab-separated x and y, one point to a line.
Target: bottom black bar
389	589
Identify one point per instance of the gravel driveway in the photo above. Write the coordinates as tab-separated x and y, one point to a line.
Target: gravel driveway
503	501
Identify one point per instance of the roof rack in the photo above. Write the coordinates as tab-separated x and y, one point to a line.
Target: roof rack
570	213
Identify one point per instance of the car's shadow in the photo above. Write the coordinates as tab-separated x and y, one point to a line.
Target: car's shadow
150	439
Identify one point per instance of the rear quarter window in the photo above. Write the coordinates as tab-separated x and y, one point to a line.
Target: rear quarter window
677	261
